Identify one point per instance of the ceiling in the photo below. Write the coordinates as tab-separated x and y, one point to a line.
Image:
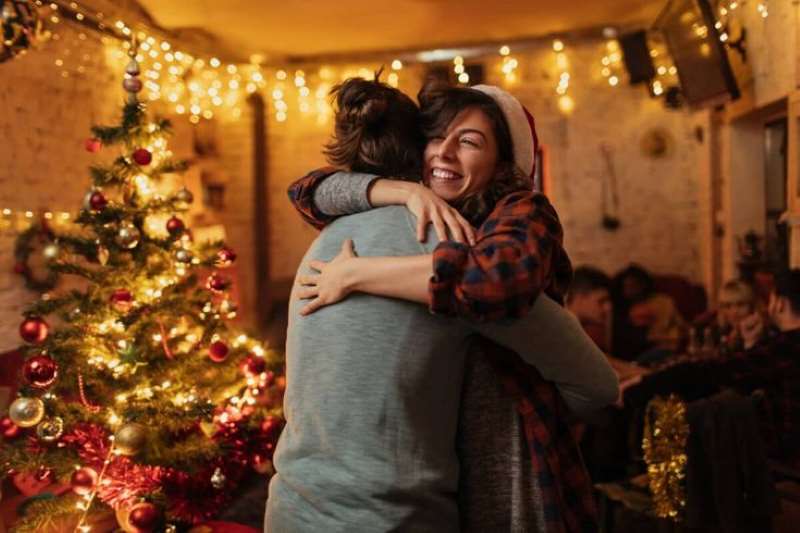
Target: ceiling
299	28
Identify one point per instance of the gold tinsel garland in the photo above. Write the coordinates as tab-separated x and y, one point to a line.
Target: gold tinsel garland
664	444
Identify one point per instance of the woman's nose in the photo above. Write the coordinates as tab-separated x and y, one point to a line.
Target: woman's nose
446	148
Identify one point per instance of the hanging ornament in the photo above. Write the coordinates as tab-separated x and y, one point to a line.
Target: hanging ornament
40	371
183	198
122	300
21	27
225	257
8	429
83	481
33	330
128	236
130	438
95	200
175	226
50	429
253	366
217	283
142	156
218	351
145	517
132	85
184	256
218	478
102	254
133	68
26	412
51	251
92	145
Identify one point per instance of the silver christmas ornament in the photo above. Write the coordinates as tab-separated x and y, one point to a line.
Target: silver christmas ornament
128	236
133	68
51	251
184	256
183	198
26	412
50	429
132	85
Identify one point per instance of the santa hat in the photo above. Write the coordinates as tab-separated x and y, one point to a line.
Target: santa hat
520	123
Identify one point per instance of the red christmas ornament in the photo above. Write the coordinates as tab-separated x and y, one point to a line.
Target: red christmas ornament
97	201
142	156
217	283
175	226
9	429
261	464
40	371
122	300
144	517
92	145
83	480
34	330
20	268
253	366
225	257
218	351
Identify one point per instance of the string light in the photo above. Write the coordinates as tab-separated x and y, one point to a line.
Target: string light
612	63
565	102
509	65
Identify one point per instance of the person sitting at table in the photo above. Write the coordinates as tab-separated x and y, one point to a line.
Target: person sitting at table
737	300
770	363
647	324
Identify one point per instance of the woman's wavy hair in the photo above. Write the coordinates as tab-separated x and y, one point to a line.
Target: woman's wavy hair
376	130
440	102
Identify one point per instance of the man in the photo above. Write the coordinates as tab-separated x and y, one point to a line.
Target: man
373	388
589	299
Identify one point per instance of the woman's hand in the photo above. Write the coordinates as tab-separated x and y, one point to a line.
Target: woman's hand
332	284
429	208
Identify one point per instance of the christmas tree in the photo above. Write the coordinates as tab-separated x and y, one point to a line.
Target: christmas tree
136	394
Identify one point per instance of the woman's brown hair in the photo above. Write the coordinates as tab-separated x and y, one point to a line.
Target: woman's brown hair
376	130
439	103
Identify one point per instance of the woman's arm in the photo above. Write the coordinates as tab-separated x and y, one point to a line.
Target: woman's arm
325	194
517	255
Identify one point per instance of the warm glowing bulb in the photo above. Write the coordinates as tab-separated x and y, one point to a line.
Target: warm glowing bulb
566	104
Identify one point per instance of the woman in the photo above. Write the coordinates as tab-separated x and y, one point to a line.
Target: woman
522	227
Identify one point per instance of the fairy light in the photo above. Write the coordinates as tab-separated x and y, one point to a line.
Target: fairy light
565	102
612	63
508	65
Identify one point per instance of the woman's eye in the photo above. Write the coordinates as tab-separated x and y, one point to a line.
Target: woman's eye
469	141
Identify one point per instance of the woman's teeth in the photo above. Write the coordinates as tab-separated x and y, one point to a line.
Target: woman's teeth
442	174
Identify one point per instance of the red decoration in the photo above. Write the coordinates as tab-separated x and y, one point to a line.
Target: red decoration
145	517
34	330
217	283
97	201
142	156
225	257
9	429
122	300
175	226
218	351
92	145
40	371
20	268
253	366
83	480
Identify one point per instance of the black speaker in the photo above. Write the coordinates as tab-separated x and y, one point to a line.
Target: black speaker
637	58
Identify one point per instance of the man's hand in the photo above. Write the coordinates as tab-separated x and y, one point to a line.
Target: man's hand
332	284
751	329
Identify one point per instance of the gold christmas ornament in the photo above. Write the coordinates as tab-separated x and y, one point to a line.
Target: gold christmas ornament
130	439
26	412
128	236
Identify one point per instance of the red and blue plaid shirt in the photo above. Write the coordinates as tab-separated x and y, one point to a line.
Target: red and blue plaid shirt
518	253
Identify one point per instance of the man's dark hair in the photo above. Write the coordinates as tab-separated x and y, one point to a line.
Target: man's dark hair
787	285
376	130
586	279
440	103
